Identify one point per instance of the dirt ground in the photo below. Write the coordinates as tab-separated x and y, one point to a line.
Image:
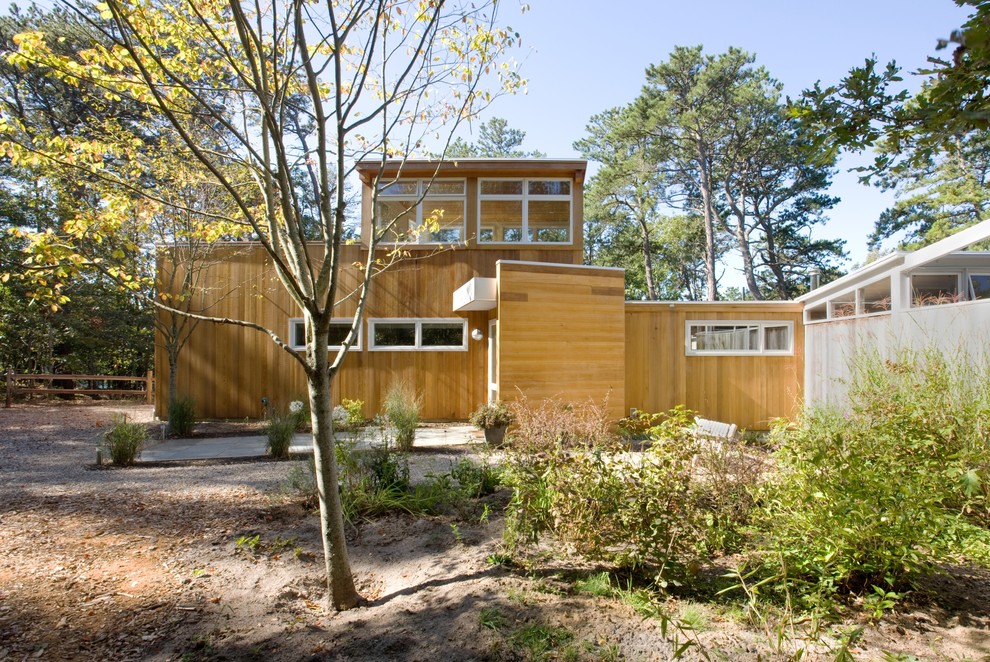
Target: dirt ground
145	564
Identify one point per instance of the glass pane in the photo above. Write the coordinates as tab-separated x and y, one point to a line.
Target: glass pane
338	333
400	214
549	220
487	234
725	338
934	289
981	286
298	334
502	187
443	334
395	334
776	338
844	306
403	187
446	187
549	188
504	217
876	297
447	220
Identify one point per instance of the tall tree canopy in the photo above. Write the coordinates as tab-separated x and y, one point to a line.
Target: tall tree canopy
929	147
250	92
496	140
708	139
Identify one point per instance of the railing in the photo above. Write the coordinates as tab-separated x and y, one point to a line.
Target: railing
13	379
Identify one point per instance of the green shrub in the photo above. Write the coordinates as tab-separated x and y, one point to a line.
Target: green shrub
280	429
476	480
661	509
890	488
181	416
401	409
123	441
491	415
355	413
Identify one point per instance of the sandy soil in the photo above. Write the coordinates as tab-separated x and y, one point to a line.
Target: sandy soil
144	563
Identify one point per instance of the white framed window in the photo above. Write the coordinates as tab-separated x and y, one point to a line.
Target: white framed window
422	211
738	337
934	289
979	286
525	211
417	334
339	328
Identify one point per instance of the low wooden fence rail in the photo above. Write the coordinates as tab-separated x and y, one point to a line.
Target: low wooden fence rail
13	380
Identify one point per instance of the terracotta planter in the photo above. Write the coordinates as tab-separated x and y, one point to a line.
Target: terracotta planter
495	436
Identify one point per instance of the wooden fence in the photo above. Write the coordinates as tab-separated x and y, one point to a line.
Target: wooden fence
13	379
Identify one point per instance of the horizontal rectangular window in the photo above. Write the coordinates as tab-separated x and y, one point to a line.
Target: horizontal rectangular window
417	334
533	211
339	328
421	211
731	337
934	289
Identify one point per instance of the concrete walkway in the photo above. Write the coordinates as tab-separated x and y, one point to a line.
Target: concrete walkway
254	446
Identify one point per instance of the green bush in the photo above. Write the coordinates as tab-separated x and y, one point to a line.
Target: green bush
661	509
401	408
280	429
888	489
181	416
355	413
123	441
492	415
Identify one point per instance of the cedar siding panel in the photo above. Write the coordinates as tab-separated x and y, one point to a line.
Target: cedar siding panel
228	369
749	391
561	339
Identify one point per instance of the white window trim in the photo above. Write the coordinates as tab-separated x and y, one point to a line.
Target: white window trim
419	322
525	197
962	285
356	347
723	322
421	197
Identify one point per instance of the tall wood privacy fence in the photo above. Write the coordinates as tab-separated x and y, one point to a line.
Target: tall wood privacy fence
14	385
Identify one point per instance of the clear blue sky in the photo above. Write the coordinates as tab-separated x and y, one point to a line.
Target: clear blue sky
581	57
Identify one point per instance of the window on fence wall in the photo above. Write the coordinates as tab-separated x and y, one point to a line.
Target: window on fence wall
738	338
339	328
534	211
934	289
419	211
422	335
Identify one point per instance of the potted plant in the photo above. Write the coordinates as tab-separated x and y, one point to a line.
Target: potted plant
493	418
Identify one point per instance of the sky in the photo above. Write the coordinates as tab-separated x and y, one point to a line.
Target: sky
581	57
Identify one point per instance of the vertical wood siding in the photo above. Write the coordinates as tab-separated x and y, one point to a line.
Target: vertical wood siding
228	369
746	390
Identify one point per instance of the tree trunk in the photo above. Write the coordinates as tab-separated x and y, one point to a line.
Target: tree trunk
708	209
340	584
651	288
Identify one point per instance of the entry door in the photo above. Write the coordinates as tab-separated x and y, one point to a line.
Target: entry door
492	360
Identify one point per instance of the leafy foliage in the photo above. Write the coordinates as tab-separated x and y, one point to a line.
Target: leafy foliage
682	497
710	138
496	140
874	496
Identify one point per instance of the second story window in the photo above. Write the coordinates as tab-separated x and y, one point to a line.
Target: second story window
419	211
524	211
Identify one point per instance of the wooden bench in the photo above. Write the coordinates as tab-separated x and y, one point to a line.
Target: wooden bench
715	431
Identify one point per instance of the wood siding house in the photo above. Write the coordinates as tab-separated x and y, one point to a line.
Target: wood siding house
492	301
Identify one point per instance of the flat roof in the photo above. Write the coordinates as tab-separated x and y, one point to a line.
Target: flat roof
473	167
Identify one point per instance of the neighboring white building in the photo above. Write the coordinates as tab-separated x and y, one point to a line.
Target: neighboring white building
937	296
